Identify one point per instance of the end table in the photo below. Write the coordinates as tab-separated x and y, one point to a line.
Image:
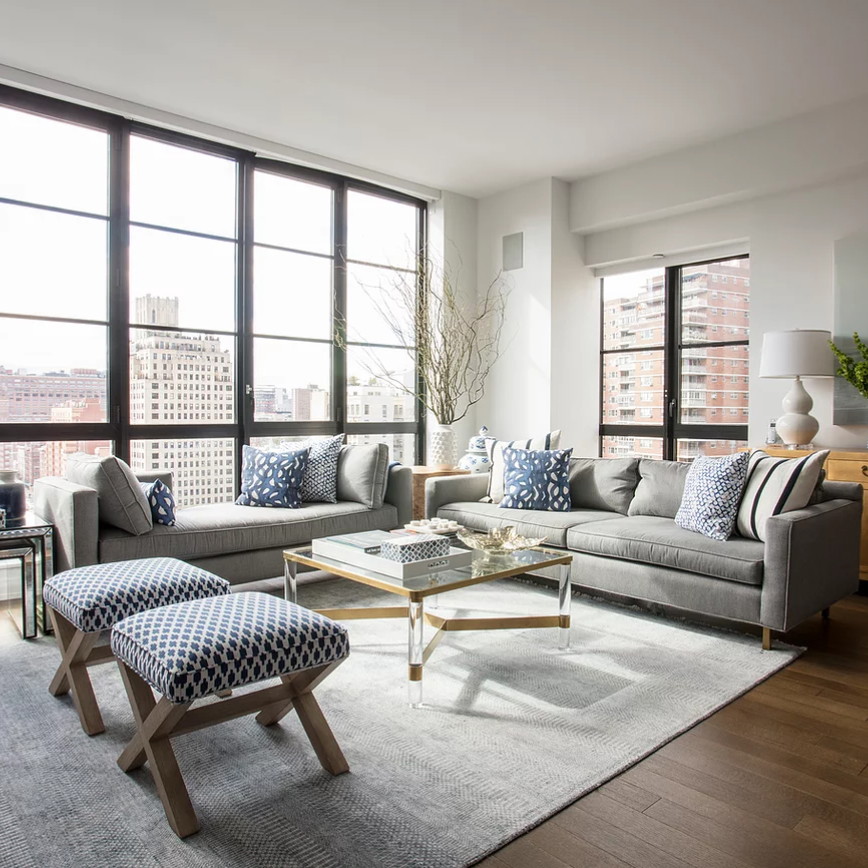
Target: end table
421	474
31	540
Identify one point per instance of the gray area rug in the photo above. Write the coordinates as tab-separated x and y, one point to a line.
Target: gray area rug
512	731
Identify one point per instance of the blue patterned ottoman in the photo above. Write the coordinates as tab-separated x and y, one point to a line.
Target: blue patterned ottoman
85	601
194	649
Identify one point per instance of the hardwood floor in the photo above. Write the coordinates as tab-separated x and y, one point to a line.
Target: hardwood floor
777	778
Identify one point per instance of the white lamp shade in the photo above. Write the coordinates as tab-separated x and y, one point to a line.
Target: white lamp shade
797	353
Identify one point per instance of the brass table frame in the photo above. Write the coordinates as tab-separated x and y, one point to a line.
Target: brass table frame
417	652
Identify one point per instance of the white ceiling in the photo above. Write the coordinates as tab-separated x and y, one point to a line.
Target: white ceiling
472	96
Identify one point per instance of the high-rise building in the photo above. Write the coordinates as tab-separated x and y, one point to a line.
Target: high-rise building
30	397
175	378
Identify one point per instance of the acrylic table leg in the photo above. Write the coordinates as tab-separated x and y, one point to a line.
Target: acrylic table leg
564	600
290	584
414	656
46	572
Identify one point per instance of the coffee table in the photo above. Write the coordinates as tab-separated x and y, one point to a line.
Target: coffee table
484	568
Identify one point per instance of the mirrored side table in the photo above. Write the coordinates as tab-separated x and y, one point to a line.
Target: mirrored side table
31	542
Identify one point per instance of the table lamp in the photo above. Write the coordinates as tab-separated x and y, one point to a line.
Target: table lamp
795	354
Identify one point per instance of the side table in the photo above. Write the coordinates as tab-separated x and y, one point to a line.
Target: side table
32	541
421	474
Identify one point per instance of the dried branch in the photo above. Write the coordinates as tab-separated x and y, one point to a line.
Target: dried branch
453	342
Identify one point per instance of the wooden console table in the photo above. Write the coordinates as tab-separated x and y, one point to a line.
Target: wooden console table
842	465
421	474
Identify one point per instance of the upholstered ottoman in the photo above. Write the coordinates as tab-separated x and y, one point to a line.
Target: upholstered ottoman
191	650
84	602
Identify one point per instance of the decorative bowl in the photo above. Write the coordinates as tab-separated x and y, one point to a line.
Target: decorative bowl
499	540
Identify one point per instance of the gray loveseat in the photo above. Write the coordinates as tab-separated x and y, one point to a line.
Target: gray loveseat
624	540
240	543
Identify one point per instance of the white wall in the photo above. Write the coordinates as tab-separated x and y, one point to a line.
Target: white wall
547	375
575	324
517	403
791	238
452	223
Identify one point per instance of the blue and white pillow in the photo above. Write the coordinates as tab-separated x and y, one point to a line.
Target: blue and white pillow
271	478
712	493
320	482
536	479
161	501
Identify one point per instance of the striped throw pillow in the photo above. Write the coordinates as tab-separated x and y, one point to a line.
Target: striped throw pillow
776	485
495	454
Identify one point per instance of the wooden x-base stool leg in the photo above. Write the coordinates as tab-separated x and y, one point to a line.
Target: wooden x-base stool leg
157	721
76	649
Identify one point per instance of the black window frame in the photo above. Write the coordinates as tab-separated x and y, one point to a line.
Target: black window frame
672	429
118	427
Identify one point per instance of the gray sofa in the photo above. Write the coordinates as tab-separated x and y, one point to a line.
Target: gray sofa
624	540
239	543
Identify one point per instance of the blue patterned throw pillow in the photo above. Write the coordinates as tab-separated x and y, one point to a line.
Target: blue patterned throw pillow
271	478
712	493
320	482
161	501
536	479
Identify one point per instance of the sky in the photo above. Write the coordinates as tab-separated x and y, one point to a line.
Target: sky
56	264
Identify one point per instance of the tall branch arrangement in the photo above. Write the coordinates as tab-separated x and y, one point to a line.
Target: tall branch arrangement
454	342
854	371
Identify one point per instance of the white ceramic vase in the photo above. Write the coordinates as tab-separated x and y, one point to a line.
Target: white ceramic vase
441	447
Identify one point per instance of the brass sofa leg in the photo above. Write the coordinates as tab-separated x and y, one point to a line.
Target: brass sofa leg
767	639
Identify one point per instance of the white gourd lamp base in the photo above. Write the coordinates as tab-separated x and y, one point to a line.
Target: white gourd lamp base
797	427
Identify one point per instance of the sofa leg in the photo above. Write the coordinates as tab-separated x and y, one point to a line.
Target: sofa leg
826	613
767	639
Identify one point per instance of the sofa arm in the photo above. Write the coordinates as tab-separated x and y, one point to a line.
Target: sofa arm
440	490
841	491
399	492
167	477
74	511
811	561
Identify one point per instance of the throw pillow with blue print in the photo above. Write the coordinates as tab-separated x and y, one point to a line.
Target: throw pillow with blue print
712	493
320	482
536	479
271	478
161	501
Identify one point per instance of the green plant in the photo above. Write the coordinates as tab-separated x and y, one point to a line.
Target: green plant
854	371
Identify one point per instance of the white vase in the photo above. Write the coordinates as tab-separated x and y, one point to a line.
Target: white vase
441	447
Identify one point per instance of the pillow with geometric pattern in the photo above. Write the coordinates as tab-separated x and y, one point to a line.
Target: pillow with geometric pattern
320	482
712	492
271	478
161	500
536	479
495	448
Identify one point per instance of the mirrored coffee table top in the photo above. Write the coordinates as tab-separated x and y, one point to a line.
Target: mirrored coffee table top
483	568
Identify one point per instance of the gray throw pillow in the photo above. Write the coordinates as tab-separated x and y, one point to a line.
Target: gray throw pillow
603	483
122	503
362	472
660	488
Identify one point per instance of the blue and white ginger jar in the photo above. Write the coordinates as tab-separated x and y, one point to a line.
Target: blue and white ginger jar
476	458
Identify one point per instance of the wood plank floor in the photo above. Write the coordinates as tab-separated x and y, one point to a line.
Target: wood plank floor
777	778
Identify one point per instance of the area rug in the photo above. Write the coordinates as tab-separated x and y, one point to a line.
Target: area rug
512	730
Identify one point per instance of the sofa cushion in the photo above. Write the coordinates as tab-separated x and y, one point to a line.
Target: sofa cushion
122	503
660	488
603	483
657	540
532	523
220	528
362	473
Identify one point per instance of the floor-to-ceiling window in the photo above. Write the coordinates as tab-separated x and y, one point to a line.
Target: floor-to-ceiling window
169	298
674	366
